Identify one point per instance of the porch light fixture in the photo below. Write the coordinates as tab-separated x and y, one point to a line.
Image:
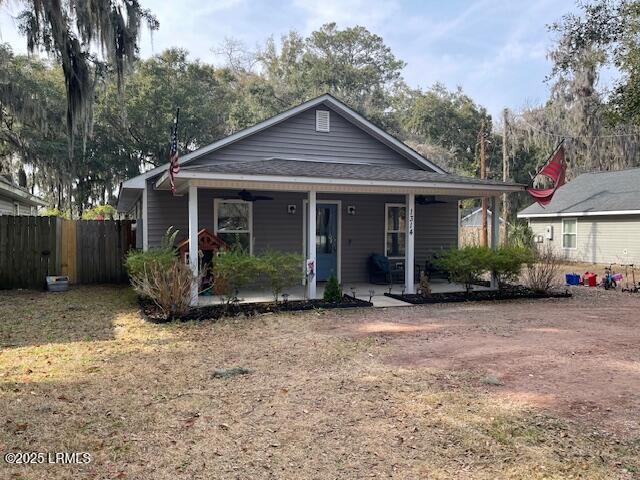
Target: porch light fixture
351	209
291	209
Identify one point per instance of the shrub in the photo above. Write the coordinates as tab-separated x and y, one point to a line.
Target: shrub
100	212
169	287
281	270
54	212
507	263
542	270
521	235
465	265
235	268
162	256
332	290
424	289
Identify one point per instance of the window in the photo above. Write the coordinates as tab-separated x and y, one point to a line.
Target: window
233	222
569	233
322	120
395	230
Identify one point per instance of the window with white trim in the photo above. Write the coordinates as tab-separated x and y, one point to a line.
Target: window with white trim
569	233
395	230
233	222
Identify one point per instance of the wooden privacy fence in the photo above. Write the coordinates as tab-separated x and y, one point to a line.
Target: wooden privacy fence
87	251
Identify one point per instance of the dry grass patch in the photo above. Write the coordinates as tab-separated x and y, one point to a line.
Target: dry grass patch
143	401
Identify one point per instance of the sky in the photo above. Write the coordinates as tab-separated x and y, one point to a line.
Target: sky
495	50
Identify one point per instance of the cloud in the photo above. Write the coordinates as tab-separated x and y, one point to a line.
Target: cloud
368	13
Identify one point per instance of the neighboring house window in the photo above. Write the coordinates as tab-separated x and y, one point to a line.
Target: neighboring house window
395	230
569	233
233	222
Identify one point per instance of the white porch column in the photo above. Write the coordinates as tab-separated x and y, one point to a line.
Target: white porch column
193	241
145	222
311	244
494	230
409	249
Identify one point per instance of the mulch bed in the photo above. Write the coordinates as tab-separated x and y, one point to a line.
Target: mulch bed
152	313
516	292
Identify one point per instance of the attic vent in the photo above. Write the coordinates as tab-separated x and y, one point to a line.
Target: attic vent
322	120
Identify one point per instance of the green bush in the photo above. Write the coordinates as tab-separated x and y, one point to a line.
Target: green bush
162	256
100	212
235	268
507	263
281	270
54	212
466	265
332	290
521	235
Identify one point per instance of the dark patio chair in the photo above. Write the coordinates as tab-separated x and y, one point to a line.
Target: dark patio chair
433	271
382	272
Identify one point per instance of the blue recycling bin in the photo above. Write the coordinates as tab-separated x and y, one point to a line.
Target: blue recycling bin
572	279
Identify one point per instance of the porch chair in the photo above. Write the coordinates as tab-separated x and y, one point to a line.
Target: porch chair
432	271
381	272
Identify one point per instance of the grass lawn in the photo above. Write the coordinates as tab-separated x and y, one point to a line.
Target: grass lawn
540	389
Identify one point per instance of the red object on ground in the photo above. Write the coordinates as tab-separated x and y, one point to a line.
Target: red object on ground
590	279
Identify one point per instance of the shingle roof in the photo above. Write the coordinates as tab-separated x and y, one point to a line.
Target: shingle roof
17	192
327	99
305	168
594	192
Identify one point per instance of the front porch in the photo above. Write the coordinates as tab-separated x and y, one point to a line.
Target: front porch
336	216
362	291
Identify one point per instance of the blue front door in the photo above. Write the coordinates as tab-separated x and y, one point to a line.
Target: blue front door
327	240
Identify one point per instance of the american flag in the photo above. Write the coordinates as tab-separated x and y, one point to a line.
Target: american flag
174	167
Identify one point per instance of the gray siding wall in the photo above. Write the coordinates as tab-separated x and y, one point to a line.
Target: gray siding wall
436	229
7	207
599	239
297	138
273	228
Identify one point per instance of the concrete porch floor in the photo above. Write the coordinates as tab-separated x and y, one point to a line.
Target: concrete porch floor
362	289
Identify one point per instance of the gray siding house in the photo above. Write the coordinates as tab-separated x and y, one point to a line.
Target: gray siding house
319	180
595	218
15	200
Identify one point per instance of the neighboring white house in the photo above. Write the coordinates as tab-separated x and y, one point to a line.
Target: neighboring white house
15	200
594	218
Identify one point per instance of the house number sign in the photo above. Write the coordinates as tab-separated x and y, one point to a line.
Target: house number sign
411	222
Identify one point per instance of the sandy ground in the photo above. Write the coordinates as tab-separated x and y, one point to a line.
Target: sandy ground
578	358
524	390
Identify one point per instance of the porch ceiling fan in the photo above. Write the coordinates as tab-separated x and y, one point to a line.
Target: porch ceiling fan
247	196
427	200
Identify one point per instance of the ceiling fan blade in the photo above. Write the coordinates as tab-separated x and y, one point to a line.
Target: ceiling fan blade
261	197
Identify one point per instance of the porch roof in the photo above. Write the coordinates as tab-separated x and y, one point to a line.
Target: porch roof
297	174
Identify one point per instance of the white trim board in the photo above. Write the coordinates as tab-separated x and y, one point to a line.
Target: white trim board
305	207
488	189
348	113
599	213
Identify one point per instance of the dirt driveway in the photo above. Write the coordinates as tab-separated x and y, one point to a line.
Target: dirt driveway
578	357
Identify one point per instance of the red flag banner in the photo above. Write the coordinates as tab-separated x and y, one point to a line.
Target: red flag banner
555	170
